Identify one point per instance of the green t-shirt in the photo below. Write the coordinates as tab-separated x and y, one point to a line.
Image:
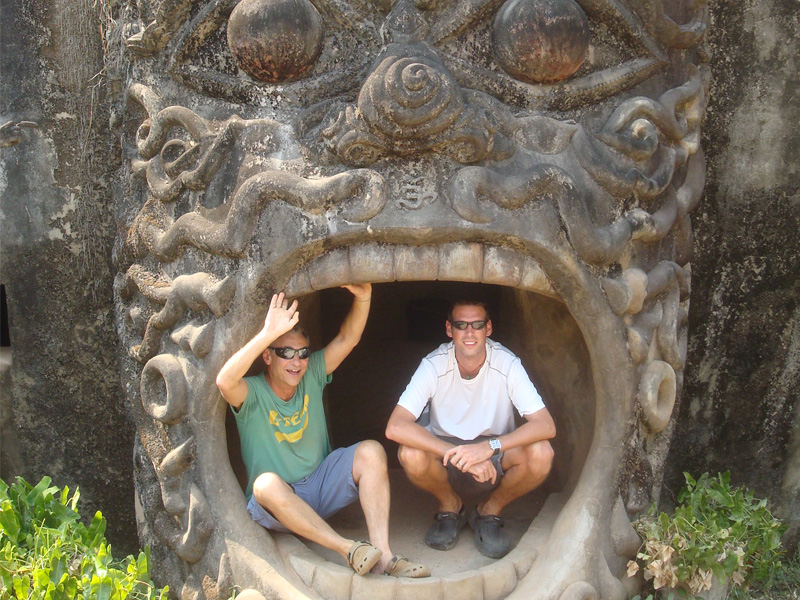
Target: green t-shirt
290	438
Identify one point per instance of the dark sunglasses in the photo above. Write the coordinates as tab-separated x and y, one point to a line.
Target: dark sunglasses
289	353
462	325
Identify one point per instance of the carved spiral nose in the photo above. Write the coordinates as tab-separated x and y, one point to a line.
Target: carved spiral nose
416	77
415	85
408	97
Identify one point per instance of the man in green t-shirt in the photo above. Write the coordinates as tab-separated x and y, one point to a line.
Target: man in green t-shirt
294	480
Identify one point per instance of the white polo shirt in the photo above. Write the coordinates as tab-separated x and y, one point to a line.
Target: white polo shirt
468	408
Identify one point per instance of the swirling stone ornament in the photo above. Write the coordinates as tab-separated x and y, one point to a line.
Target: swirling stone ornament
411	103
409	96
541	41
275	40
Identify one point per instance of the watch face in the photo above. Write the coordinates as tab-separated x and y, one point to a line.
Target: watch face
494	444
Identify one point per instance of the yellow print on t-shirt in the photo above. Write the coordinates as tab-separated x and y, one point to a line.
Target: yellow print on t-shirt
289	422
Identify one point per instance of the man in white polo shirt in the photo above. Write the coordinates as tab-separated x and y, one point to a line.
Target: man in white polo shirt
469	388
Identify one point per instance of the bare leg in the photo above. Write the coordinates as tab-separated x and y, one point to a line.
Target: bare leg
277	496
525	469
425	470
372	478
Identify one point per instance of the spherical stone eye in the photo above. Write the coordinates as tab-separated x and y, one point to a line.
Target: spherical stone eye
540	41
275	40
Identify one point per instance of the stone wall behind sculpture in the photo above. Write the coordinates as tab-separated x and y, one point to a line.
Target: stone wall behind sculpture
742	386
62	407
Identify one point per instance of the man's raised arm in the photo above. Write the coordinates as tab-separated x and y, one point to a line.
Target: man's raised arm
280	318
351	329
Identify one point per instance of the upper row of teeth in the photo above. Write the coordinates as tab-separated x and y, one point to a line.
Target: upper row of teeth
457	261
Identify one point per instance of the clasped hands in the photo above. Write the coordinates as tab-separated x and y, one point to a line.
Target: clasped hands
473	459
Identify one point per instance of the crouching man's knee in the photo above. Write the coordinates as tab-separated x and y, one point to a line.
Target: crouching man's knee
539	458
413	460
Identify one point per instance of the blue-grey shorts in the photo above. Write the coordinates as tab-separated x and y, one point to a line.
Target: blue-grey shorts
327	490
464	483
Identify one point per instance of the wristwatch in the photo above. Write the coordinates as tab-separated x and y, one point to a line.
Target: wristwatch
494	444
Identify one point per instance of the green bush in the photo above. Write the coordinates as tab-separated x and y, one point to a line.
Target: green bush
715	531
47	553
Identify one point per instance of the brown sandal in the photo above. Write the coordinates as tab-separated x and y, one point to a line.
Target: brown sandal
363	556
402	567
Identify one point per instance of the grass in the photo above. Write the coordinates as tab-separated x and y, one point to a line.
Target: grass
785	586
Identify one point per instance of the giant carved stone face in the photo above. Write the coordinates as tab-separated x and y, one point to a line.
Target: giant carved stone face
550	147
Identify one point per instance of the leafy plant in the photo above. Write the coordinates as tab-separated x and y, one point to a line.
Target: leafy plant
47	553
784	586
715	531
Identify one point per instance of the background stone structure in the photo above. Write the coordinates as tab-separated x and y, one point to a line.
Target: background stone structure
62	409
62	406
742	388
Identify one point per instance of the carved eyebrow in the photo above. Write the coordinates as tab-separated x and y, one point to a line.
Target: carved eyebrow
563	95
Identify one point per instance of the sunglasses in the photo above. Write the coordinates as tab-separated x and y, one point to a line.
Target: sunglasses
462	325
289	353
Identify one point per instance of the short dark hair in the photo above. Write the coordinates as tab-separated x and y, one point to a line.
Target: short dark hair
468	302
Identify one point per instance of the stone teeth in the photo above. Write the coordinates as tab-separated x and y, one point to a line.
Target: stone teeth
380	263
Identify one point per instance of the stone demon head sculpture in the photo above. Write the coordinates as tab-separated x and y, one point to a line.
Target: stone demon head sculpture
548	149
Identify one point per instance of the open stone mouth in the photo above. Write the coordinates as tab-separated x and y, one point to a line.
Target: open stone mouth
405	169
376	371
365	262
199	514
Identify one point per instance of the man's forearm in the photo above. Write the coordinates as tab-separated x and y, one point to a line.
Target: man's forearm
352	327
416	436
237	365
355	321
538	426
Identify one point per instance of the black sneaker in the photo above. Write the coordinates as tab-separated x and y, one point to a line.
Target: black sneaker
489	535
444	532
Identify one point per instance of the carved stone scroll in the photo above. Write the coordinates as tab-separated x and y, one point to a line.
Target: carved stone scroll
163	379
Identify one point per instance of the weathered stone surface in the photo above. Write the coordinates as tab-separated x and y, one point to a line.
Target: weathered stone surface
429	587
330	270
740	401
379	588
499	579
464	586
333	581
67	411
541	42
275	40
501	267
250	595
371	264
579	184
416	262
461	262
